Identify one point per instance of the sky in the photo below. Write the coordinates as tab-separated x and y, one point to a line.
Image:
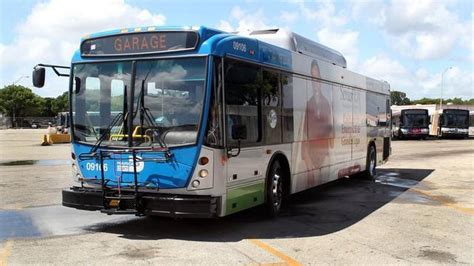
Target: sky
420	47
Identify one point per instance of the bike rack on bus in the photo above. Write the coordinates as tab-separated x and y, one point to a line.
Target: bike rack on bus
108	194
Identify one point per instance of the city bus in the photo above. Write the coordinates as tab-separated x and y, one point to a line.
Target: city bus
450	123
410	123
197	122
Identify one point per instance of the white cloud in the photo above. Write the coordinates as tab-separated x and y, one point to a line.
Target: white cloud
244	21
385	68
288	17
324	13
366	9
53	30
224	25
458	83
344	42
330	27
402	16
419	83
424	29
433	46
237	13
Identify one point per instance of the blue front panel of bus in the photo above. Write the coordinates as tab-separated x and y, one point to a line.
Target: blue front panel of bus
173	173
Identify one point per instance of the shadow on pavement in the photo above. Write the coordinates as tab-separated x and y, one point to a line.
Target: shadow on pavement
319	211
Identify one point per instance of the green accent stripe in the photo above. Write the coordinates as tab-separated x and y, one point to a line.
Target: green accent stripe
245	197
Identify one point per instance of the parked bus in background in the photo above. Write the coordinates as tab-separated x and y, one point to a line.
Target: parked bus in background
471	123
450	123
410	123
196	122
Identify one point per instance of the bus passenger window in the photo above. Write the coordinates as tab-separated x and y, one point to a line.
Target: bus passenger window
287	107
271	112
242	97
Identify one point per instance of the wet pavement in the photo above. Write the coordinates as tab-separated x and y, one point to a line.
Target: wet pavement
360	198
419	210
35	162
51	221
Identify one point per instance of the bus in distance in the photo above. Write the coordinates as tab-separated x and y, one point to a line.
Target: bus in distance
410	123
450	123
197	122
471	124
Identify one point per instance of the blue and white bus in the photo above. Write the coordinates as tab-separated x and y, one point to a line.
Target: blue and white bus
196	122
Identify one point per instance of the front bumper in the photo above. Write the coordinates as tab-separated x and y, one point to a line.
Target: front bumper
448	134
158	204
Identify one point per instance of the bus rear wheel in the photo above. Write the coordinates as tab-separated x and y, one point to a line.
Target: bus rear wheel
274	190
370	171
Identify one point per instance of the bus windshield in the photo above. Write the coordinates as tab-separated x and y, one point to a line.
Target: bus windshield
167	100
455	120
415	120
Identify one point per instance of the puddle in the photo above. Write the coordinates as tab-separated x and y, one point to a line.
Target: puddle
415	198
396	181
16	224
438	256
51	221
35	162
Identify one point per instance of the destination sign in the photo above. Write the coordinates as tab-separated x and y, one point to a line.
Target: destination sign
140	43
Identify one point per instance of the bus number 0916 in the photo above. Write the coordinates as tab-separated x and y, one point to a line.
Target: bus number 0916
95	167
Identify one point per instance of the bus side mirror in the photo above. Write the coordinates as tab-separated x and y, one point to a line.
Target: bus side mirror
38	77
239	132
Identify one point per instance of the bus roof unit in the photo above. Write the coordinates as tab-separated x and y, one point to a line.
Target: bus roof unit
297	43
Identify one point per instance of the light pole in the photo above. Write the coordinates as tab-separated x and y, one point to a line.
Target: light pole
19	79
442	81
14	123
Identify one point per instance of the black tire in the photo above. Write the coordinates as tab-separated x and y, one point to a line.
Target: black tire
274	190
370	170
400	135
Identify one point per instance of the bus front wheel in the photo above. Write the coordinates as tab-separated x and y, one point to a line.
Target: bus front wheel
274	190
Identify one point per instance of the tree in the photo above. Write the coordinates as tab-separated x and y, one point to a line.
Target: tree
46	107
18	101
425	100
60	104
455	100
399	98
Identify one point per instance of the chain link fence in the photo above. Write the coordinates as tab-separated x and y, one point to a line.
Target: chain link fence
26	122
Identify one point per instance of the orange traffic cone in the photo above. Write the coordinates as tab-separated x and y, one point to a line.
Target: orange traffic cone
46	141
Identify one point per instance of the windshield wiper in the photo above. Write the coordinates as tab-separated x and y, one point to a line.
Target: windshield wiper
146	115
116	119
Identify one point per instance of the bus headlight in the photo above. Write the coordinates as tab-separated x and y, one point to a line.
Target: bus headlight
76	174
203	173
195	183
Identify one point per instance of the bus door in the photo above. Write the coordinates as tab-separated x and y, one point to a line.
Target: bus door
244	135
342	108
359	128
